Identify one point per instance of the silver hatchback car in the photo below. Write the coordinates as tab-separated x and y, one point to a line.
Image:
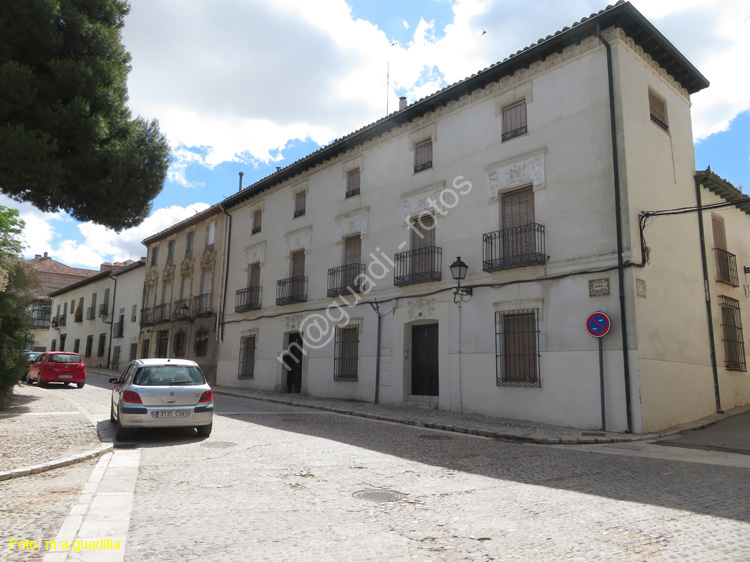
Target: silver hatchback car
161	393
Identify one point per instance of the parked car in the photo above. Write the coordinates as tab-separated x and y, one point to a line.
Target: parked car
153	393
31	357
57	366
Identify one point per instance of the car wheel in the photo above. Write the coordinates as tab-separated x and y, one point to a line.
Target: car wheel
80	384
205	430
112	413
39	382
121	433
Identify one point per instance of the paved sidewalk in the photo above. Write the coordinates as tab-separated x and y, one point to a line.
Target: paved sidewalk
45	429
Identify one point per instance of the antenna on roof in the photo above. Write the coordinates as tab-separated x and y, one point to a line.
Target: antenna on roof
241	174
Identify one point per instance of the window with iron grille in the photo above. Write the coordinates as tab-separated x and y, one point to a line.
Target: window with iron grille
658	109
179	344
247	358
731	325
89	345
162	343
300	202
201	343
116	357
257	221
102	345
352	183
514	120
517	348
76	345
423	156
346	354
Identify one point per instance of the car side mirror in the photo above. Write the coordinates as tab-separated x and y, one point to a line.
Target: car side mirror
114	380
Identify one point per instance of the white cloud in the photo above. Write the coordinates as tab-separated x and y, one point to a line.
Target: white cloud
405	24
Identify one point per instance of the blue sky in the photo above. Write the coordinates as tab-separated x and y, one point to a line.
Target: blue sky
249	85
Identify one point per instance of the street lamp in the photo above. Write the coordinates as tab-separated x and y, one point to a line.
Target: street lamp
458	271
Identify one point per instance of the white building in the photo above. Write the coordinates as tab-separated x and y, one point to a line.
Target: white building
98	317
339	263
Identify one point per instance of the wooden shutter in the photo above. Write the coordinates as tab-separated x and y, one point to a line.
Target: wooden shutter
520	347
720	237
423	233
352	182
185	289
352	250
514	120
254	275
298	264
300	200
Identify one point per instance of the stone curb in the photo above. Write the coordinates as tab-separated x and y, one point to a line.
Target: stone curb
59	463
536	439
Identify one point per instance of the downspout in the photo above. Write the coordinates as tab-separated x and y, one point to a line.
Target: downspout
707	289
112	323
618	219
225	269
376	308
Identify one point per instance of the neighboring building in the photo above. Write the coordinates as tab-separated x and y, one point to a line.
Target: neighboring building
339	263
97	317
51	276
182	290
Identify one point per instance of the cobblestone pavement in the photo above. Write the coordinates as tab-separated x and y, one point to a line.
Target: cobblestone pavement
289	486
34	507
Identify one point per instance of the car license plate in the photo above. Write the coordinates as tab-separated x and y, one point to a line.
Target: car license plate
64	376
171	414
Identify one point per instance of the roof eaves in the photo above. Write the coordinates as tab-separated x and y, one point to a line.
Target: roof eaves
723	189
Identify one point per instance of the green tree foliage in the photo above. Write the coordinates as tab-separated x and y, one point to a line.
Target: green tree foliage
67	140
15	278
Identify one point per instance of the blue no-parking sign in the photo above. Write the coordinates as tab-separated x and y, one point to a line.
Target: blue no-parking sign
598	324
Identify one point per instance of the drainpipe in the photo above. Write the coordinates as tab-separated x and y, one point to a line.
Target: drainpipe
618	219
112	323
376	308
707	289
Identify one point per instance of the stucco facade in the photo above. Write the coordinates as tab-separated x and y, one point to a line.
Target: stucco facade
95	317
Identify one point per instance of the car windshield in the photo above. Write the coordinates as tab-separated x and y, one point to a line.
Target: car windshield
65	358
165	375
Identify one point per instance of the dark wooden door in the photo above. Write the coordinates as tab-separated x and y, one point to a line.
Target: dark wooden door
294	364
424	360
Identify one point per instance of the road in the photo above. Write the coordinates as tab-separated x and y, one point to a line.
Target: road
276	482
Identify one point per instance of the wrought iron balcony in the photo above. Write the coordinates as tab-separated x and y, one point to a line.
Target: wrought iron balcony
90	313
202	304
104	309
726	267
345	279
291	290
161	312
418	266
514	133
63	320
509	248
119	330
181	309
147	316
247	299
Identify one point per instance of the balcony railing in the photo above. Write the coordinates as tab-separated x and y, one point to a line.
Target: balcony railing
514	133
247	299
202	304
726	267
514	247
104	309
119	330
63	321
181	309
345	279
291	290
162	312
418	266
90	313
147	316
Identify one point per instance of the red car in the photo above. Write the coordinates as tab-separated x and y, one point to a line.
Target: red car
58	366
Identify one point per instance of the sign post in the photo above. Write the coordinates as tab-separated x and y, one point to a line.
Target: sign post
598	325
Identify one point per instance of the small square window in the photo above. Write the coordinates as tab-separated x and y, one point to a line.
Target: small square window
352	183
514	120
300	202
658	109
423	156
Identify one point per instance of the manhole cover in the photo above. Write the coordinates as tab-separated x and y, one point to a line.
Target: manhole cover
379	495
435	437
218	444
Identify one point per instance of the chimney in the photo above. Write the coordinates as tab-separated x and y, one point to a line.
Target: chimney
241	174
402	103
45	255
106	266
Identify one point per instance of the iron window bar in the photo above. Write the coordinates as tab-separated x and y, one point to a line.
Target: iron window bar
659	123
181	308
147	316
291	290
90	313
104	309
346	279
510	248
517	357
161	312
247	299
515	133
726	267
346	354
246	366
256	230
734	343
352	193
119	330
